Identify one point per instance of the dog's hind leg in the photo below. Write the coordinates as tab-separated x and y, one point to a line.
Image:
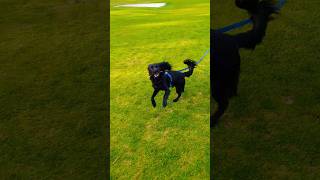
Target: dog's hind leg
165	98
179	92
155	92
222	106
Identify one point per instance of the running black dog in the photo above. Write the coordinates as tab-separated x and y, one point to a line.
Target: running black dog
163	78
225	62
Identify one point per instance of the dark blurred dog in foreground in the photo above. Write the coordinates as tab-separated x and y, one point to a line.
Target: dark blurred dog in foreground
162	78
225	62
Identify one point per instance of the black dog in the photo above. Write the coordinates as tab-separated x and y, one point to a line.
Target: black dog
163	78
225	62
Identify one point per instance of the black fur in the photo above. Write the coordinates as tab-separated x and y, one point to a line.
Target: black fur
161	81
225	62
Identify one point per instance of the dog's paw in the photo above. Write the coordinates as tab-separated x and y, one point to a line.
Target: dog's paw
175	100
164	105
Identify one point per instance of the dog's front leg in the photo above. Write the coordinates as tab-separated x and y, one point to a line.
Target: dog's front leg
165	98
155	92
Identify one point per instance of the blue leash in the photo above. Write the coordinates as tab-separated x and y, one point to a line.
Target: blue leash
279	5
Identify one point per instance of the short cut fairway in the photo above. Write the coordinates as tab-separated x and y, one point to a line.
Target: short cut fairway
272	129
159	143
53	89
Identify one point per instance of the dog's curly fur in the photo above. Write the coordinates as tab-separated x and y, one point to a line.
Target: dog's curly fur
225	62
162	78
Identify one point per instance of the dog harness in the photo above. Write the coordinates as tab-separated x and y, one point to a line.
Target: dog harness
170	78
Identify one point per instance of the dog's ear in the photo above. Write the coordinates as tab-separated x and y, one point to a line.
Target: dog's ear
150	69
165	66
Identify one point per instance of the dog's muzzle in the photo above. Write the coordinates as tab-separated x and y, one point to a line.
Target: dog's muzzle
154	70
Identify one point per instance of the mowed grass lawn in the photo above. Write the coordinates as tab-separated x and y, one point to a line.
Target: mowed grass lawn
53	89
271	131
159	143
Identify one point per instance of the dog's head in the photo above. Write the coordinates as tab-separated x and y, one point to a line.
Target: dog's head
155	69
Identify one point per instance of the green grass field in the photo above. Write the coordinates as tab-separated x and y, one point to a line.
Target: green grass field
53	83
159	143
271	131
53	89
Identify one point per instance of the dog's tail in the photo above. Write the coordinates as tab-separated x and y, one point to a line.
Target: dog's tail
191	65
260	12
